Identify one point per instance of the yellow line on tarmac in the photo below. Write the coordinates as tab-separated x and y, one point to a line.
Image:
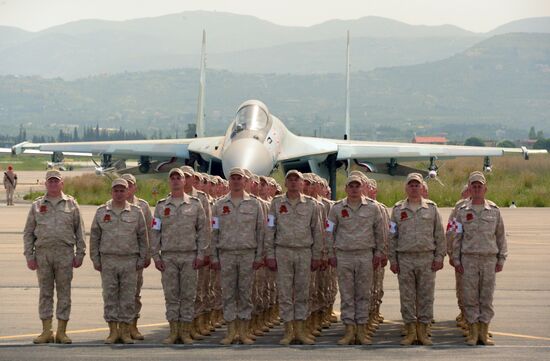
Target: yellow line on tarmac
80	331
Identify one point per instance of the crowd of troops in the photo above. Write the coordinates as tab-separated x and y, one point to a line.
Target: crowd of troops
242	253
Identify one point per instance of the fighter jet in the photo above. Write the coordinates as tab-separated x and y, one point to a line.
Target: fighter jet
258	140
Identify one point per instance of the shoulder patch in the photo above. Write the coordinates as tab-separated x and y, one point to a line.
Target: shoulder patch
398	203
492	204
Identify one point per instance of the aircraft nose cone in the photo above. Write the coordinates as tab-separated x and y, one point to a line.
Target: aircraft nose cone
247	153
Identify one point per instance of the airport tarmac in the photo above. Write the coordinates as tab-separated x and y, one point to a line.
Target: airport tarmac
521	326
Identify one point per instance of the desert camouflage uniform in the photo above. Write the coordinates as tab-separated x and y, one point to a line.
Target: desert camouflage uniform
480	244
118	244
378	278
417	240
294	238
180	233
53	236
450	236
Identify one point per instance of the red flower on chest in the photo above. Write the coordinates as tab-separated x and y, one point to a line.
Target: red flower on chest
107	218
43	208
283	209
469	216
166	211
404	215
226	210
345	213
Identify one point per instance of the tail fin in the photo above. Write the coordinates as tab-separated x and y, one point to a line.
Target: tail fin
199	132
347	135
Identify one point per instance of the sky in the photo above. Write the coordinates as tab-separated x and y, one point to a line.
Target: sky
473	15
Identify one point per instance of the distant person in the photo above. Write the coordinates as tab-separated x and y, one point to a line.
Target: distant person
54	245
513	205
10	182
479	252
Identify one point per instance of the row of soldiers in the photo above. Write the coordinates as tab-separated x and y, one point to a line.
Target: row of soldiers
244	254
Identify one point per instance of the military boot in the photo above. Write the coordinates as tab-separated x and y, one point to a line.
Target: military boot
215	318
173	336
244	332
422	334
274	316
256	328
288	335
202	325
184	332
473	334
134	332
349	335
231	333
125	333
300	333
61	335
332	316
113	333
194	330
484	334
361	335
310	326
47	335
410	337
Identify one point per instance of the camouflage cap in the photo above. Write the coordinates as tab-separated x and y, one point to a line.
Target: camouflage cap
354	178
175	171
247	173
237	171
372	183
294	172
255	178
187	170
129	178
119	182
414	177
477	177
53	174
307	177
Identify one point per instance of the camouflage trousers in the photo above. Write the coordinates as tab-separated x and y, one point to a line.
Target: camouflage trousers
139	285
416	286
119	280
259	291
215	297
479	280
293	282
179	283
9	195
202	304
236	281
55	269
355	276
377	290
459	286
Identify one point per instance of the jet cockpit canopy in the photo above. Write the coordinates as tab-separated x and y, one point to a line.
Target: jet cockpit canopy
252	115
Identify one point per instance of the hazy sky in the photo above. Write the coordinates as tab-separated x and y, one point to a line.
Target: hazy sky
474	15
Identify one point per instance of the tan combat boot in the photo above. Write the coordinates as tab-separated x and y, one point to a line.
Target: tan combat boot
244	332
301	335
288	335
194	330
231	333
422	334
332	316
215	318
47	335
184	332
473	334
410	337
349	335
310	327
361	335
113	333
256	328
274	316
125	333
202	325
134	332
484	334
61	335
173	335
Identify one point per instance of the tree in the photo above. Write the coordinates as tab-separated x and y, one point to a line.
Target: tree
474	142
506	144
542	144
532	133
540	135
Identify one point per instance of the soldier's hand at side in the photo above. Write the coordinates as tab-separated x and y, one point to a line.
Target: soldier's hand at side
77	262
459	269
147	263
315	264
206	260
394	267
376	261
160	265
384	261
333	262
451	262
97	267
257	265
198	263
271	263
32	265
498	268
216	266
436	266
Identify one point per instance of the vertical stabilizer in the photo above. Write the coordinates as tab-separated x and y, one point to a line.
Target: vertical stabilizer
347	135
199	132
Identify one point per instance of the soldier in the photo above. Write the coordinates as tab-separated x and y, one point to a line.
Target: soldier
355	230
144	206
450	234
416	252
180	236
238	229
479	252
54	245
118	249
293	247
10	182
